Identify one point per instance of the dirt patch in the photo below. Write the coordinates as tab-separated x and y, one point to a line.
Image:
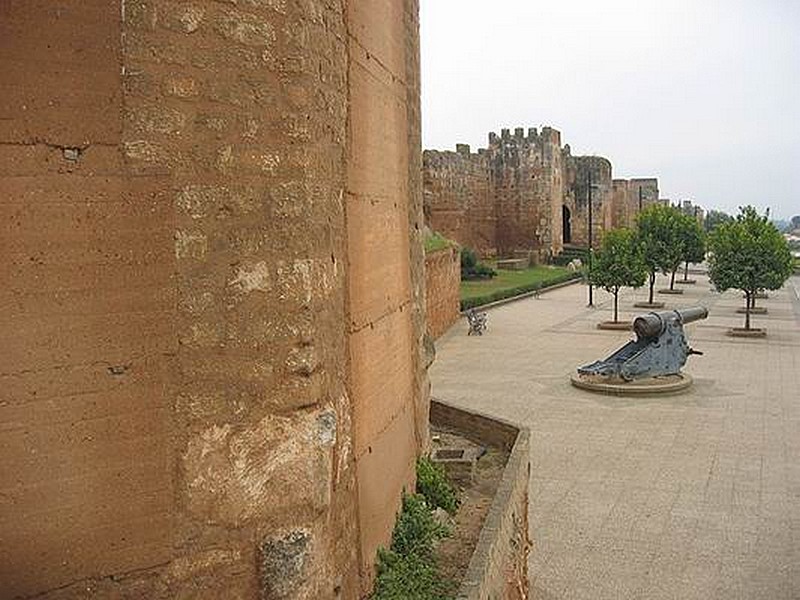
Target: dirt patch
454	553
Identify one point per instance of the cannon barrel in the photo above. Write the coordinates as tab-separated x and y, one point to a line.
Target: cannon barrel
653	324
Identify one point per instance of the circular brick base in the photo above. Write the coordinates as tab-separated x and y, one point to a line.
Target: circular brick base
671	292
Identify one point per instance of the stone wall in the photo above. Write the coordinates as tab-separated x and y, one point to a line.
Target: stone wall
498	567
581	171
625	198
89	296
386	279
458	203
213	383
526	179
442	281
526	195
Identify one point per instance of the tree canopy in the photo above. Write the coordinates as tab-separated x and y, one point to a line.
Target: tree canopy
715	218
748	254
693	244
618	263
693	240
658	231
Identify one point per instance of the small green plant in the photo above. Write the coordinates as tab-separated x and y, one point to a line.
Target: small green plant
416	530
408	570
408	578
472	268
436	241
433	485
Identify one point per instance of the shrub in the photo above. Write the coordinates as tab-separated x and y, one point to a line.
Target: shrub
416	530
472	268
408	578
433	485
408	570
510	292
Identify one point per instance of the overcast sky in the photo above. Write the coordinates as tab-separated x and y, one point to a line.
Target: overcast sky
703	94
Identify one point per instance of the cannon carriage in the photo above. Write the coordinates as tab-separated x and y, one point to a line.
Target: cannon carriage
654	358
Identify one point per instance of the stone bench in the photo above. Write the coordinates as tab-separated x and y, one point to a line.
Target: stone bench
513	264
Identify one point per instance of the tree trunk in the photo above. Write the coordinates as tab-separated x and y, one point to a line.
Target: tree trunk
747	312
616	295
686	271
672	279
652	283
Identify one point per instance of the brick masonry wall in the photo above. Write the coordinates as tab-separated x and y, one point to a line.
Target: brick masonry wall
458	201
192	396
526	178
625	199
442	280
578	169
504	199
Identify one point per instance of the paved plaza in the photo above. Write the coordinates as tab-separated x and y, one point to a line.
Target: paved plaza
689	496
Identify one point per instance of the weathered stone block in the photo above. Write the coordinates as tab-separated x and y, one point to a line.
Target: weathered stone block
282	564
280	465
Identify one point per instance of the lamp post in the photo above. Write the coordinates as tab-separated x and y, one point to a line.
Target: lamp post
589	187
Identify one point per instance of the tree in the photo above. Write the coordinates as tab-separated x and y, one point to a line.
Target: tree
693	245
658	228
795	223
618	263
715	218
748	254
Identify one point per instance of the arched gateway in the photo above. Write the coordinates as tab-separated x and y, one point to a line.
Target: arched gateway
566	226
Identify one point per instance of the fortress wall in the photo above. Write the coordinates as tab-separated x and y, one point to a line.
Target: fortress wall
386	271
215	295
458	199
526	179
580	170
88	325
510	198
625	198
442	280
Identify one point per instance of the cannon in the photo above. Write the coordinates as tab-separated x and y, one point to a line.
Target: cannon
660	348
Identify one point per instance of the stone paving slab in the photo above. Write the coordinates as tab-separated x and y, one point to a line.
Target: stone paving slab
688	496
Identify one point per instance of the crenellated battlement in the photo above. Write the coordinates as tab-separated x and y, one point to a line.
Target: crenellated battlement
525	192
521	137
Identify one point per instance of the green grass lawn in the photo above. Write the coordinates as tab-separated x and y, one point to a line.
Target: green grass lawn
511	283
